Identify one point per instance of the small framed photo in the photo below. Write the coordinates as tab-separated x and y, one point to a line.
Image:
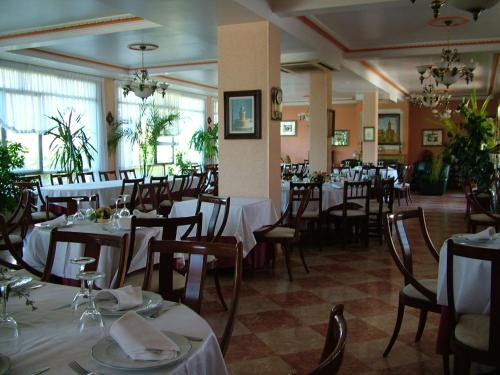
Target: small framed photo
340	138
242	114
369	134
288	128
432	137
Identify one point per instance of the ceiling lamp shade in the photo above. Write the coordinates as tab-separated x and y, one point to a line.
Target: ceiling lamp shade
473	6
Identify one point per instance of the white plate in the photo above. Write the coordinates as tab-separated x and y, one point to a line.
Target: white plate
51	226
108	353
4	364
150	301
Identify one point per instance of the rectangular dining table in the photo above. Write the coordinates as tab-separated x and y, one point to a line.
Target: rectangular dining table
49	338
332	192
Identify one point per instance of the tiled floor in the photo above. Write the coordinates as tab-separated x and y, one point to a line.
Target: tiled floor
281	324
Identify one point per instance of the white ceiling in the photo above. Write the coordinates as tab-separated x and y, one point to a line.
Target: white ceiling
380	41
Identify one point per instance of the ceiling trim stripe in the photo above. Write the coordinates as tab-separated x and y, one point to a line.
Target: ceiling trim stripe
315	27
382	76
70	57
72	27
188	82
493	77
193	63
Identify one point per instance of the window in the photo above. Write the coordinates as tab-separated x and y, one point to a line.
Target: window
192	117
28	95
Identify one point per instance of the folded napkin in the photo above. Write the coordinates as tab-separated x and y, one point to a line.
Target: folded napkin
141	341
144	215
57	222
120	299
486	234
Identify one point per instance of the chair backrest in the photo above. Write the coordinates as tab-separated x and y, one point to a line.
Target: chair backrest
30	178
67	205
336	338
195	276
132	198
406	173
356	196
316	194
93	243
217	204
107	175
483	254
85	177
383	192
127	174
58	178
403	257
293	221
182	184
149	193
34	186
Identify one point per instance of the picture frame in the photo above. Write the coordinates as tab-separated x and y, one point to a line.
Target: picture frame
288	128
389	129
432	137
369	134
340	138
331	122
242	114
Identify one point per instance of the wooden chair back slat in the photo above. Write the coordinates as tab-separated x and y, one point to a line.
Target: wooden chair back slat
108	175
83	177
67	205
127	174
58	178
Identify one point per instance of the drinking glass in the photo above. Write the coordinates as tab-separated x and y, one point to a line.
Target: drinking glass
91	319
116	215
78	216
82	294
89	212
124	212
9	334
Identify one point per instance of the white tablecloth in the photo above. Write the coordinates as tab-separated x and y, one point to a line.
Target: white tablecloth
333	194
36	245
391	172
245	216
48	338
472	279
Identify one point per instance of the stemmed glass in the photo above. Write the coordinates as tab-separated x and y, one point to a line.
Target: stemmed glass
91	317
83	292
78	216
89	212
9	333
124	212
116	215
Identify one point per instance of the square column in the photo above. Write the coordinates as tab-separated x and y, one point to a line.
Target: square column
370	119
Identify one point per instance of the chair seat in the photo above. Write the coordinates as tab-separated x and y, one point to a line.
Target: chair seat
165	203
374	208
473	330
310	215
483	218
281	232
14	239
404	185
410	291
41	215
146	207
188	198
137	278
349	213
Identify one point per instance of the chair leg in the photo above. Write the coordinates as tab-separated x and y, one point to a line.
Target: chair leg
446	364
406	196
397	327
302	258
399	197
218	288
409	194
461	365
421	325
286	252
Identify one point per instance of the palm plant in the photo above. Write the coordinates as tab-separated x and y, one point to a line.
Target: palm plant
207	142
11	157
69	145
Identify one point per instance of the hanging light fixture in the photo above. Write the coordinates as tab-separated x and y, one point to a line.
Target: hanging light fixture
473	6
140	83
430	98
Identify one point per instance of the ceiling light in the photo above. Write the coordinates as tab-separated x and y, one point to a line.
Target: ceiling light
473	6
140	83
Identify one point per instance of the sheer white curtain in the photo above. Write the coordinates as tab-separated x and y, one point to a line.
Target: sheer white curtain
28	95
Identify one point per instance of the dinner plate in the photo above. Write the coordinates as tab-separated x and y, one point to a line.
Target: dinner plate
51	226
150	301
4	364
108	353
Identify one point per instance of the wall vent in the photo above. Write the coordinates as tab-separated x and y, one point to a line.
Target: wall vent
305	67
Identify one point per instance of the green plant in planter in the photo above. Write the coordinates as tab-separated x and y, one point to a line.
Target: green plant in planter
116	133
469	141
207	142
182	165
70	144
436	167
11	157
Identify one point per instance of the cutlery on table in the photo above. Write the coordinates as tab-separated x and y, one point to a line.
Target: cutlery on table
36	286
75	366
194	338
162	309
41	371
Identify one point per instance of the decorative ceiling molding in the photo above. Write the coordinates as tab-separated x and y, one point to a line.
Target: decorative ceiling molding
493	75
383	77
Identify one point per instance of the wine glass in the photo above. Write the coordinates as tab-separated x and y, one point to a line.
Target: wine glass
91	318
9	334
124	212
116	216
78	216
83	292
89	212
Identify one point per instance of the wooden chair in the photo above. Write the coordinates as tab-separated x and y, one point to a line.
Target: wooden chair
474	337
30	178
107	175
195	276
354	210
313	217
57	206
166	198
419	294
402	187
93	243
286	233
38	212
380	205
58	178
478	215
212	236
336	338
196	189
181	185
83	177
126	174
148	196
132	199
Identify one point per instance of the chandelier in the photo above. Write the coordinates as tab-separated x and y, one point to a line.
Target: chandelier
473	6
430	98
140	83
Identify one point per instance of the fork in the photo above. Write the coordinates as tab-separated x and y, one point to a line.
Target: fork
75	366
161	310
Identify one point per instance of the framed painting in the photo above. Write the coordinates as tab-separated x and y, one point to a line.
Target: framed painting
432	137
242	114
369	134
340	138
389	129
288	128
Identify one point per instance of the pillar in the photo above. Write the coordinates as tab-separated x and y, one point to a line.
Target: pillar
249	59
370	119
109	105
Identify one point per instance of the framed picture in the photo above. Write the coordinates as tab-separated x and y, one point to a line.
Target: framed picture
369	134
288	128
331	122
389	129
340	138
432	137
242	114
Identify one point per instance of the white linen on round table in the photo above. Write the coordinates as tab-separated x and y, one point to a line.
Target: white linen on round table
48	338
245	216
472	281
391	172
36	247
333	194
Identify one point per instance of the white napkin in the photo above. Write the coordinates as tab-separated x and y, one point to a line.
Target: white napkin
484	235
141	341
59	221
121	299
144	215
124	222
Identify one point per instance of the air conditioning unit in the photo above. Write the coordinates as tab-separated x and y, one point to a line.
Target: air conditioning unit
306	67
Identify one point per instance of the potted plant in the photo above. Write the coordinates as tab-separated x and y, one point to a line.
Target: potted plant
207	142
11	157
70	144
436	181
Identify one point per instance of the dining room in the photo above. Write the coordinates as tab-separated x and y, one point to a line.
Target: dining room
249	187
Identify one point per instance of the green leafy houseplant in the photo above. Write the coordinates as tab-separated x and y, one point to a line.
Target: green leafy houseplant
70	143
182	165
469	141
116	133
11	157
207	142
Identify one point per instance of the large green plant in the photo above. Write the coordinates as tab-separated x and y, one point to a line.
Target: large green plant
11	157
70	144
207	142
469	141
